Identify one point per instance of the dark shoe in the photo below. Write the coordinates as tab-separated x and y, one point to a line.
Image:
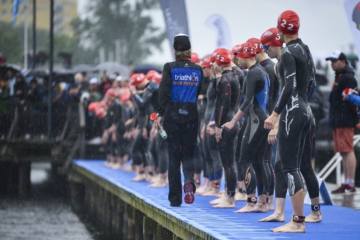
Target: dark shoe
340	189
175	204
350	188
189	190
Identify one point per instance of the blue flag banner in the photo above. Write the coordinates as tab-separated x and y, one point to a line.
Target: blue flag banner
15	9
175	16
219	24
352	8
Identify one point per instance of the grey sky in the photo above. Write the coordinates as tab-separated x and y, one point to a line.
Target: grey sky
324	25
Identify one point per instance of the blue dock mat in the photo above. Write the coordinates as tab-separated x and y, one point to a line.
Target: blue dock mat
338	223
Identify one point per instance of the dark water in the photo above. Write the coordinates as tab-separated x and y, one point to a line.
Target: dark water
45	215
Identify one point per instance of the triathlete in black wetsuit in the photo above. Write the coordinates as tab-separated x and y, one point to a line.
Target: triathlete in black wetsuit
254	138
227	99
146	99
292	112
241	189
212	163
114	129
270	152
272	42
199	160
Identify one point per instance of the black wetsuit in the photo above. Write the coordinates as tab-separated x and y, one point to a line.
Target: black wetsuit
254	140
178	93
307	152
242	125
199	156
227	99
296	72
145	101
211	155
270	152
269	67
114	116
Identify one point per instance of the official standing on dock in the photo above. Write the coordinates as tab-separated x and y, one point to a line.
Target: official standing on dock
178	93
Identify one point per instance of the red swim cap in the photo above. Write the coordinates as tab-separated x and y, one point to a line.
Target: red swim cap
256	43
93	106
223	57
153	76
271	37
288	22
244	50
195	58
206	62
137	78
100	113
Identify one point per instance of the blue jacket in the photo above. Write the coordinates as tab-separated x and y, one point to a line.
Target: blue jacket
354	99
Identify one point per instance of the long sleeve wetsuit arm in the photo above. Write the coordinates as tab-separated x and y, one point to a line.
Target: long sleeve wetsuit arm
290	82
250	87
223	101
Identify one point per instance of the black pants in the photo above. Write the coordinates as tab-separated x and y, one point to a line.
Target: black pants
227	154
252	157
238	150
293	131
212	159
306	169
198	158
181	146
162	154
140	149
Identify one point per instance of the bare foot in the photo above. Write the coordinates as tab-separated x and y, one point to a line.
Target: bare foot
159	184
127	168
249	207
292	227
111	165
228	202
314	217
155	178
262	207
270	202
211	192
203	188
217	200
116	166
239	196
139	177
275	217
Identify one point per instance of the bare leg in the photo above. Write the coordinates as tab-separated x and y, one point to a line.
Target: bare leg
226	202
250	205
315	216
278	215
298	207
350	165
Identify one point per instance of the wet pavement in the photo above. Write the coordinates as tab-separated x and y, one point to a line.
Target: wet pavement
351	200
46	215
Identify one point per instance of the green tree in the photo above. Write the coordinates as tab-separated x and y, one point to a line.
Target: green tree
11	42
124	21
12	45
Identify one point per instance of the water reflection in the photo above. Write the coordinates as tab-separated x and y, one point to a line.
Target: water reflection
44	215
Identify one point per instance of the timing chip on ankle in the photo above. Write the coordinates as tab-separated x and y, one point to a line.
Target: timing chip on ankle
252	200
315	207
298	219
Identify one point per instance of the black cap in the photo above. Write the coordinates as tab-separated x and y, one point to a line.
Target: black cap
182	43
336	55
